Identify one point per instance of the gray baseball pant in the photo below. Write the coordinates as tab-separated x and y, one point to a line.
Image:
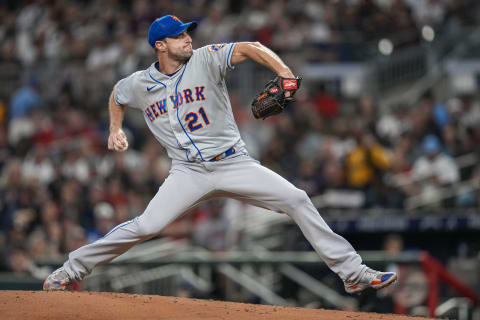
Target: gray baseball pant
239	177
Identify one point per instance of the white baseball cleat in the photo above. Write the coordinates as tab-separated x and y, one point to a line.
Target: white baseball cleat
57	280
371	279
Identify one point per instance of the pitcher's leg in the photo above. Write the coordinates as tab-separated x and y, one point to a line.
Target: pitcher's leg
251	181
182	190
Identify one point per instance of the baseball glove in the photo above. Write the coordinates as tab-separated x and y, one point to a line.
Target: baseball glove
272	99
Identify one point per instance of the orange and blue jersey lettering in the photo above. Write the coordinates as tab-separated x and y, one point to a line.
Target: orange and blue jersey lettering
199	93
149	114
192	119
176	100
204	115
188	95
152	106
162	106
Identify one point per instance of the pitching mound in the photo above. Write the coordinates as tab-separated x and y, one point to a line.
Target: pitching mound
16	305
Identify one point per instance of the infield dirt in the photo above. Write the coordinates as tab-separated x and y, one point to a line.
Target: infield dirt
15	305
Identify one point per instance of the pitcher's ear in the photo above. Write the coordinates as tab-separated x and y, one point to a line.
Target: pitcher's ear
160	45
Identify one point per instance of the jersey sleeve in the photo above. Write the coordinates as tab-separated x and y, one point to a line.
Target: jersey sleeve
123	91
218	58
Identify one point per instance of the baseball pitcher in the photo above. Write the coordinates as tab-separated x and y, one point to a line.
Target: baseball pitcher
185	103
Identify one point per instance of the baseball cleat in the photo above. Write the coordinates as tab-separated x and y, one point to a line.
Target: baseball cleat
57	280
372	279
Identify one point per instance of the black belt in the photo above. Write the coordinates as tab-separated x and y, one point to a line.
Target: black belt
223	155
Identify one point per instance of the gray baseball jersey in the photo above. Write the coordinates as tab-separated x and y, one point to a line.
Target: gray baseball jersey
189	112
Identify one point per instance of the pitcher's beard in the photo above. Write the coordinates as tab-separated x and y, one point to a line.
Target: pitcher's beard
182	58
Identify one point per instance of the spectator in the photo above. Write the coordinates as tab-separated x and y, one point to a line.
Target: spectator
433	171
24	99
365	166
214	233
402	156
19	262
326	104
429	118
104	221
216	27
367	111
309	178
392	125
39	166
74	235
470	111
38	246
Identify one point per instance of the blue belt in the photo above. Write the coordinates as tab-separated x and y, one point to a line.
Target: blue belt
221	156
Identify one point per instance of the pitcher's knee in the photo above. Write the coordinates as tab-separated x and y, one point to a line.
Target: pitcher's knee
297	199
146	228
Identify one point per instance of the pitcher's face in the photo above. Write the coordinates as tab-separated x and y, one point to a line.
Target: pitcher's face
179	48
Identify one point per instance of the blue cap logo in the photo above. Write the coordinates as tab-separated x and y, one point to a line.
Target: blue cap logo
167	26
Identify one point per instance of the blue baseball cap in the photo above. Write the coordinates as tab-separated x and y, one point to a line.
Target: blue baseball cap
431	144
167	26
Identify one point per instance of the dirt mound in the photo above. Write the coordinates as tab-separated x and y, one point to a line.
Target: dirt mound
100	305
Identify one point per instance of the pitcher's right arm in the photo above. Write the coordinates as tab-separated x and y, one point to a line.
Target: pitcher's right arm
117	140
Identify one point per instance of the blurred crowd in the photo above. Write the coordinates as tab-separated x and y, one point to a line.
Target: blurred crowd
355	156
60	188
108	37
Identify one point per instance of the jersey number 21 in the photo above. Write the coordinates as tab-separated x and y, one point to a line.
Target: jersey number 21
192	117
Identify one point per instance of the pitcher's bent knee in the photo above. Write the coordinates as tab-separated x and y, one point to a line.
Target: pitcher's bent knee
146	228
297	199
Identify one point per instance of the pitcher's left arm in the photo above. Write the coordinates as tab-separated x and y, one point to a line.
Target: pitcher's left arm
261	54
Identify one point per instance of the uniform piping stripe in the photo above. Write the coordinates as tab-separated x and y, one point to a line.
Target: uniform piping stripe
176	102
118	227
163	84
229	56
